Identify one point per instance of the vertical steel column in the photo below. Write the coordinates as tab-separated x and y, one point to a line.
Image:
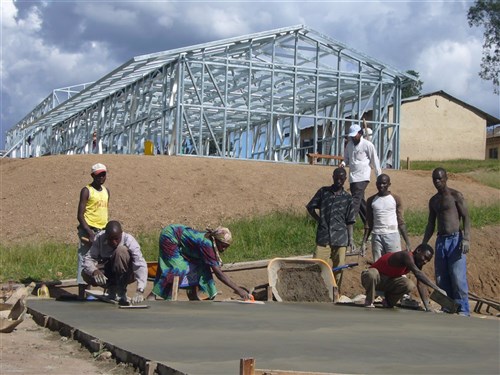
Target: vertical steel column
397	120
225	135
249	100
179	104
164	103
294	123
272	120
360	82
338	128
202	109
315	129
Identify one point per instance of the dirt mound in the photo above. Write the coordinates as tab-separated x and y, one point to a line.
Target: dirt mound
39	198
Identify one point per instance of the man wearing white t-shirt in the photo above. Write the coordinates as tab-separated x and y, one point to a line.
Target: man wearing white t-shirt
385	221
360	155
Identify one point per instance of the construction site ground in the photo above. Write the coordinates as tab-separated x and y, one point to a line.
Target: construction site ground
39	198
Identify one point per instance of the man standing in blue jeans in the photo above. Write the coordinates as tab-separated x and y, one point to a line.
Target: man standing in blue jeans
448	208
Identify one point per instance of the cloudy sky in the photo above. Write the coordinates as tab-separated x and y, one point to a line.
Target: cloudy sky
52	44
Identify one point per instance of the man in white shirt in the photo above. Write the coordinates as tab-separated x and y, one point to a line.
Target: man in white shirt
360	156
385	220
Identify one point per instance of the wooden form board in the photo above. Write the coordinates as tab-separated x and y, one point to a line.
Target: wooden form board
247	367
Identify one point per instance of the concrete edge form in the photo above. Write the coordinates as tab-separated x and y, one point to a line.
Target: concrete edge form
94	344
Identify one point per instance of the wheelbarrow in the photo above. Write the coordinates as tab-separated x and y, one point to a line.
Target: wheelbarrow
301	280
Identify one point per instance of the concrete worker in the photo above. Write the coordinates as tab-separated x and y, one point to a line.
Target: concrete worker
385	218
359	155
193	256
92	217
449	209
335	222
386	275
114	261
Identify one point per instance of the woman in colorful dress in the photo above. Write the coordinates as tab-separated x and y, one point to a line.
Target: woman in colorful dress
193	256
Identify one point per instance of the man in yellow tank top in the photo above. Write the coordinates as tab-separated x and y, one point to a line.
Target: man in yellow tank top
92	217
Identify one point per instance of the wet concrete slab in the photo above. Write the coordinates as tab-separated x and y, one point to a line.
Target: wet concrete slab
211	337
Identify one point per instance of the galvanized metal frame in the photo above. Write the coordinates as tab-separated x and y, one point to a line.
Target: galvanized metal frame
251	97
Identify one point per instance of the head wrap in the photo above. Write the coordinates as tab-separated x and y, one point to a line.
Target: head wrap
221	234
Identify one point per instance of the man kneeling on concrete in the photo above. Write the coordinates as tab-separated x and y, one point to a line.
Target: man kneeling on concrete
387	275
114	261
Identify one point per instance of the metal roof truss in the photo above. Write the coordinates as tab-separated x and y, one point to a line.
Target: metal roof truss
250	97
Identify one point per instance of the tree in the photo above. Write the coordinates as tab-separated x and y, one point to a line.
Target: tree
486	13
414	88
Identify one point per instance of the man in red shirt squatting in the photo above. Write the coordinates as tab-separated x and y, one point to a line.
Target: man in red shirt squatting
386	275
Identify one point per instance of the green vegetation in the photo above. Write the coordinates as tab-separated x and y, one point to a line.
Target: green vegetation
484	14
279	234
483	171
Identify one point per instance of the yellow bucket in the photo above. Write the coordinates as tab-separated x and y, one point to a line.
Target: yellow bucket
148	147
43	291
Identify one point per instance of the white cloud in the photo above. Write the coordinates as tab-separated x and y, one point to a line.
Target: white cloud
111	14
31	67
450	64
219	22
8	13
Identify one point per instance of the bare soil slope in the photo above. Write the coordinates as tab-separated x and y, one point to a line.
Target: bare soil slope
39	196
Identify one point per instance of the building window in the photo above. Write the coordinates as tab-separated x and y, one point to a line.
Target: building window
493	153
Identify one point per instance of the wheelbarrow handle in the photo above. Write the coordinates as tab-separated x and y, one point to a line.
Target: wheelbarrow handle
348	265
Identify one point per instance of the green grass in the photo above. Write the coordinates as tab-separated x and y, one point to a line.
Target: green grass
484	171
456	166
480	216
279	234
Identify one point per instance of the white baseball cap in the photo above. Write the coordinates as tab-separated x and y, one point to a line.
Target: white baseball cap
353	130
98	168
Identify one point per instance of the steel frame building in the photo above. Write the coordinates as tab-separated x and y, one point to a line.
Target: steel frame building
247	97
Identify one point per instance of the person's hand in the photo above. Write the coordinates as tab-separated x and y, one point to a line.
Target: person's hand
137	298
362	250
91	236
464	246
408	247
244	294
99	278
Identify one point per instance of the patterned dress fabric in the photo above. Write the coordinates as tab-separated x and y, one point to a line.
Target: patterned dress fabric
186	253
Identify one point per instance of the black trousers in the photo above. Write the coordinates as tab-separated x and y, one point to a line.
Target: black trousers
358	199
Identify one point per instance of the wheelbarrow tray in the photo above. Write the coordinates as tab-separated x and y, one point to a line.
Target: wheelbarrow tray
277	264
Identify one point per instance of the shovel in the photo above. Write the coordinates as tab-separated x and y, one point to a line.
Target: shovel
446	302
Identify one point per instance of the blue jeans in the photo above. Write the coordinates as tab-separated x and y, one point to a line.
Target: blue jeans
451	269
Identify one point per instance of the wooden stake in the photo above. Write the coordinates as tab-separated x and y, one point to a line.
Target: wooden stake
175	288
247	366
269	293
